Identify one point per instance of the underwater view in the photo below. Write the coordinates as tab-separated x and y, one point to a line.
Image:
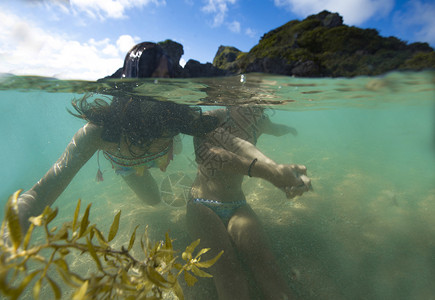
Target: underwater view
365	231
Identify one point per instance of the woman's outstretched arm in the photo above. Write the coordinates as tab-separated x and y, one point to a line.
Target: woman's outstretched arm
45	192
291	179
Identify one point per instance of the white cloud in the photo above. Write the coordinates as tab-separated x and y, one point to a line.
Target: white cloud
354	12
126	42
99	8
103	9
250	32
234	26
27	49
421	15
219	8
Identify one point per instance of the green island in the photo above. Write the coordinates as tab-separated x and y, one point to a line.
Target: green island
322	46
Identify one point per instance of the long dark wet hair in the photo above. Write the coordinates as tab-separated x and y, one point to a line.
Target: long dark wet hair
141	120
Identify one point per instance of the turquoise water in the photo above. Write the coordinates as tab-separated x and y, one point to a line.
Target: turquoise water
367	230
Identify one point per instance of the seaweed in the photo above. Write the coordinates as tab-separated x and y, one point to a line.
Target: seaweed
117	274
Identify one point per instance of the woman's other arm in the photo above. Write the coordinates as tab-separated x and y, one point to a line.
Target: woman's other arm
291	179
275	129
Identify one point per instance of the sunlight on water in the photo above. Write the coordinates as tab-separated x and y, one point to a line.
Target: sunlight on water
367	230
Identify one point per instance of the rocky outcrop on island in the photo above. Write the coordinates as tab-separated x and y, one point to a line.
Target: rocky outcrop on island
193	68
321	45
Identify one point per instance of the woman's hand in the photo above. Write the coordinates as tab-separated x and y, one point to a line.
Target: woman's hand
292	179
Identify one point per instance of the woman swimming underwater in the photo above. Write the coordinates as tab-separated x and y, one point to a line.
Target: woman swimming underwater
134	134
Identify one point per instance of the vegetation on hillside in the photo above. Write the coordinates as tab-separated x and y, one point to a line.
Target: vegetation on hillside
321	45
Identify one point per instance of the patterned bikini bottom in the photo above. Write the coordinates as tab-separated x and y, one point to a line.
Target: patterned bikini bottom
225	210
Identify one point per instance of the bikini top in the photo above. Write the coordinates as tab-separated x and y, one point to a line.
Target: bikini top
143	160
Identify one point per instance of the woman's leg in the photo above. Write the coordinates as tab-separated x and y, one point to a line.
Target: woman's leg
145	187
228	275
252	244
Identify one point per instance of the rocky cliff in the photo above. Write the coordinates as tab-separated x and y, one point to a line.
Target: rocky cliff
321	45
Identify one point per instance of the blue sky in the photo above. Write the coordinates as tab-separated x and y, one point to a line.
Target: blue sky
88	39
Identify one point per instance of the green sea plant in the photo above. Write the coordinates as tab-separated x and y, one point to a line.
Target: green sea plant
117	274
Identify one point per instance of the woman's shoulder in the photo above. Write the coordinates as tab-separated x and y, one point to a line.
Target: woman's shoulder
90	134
91	129
220	113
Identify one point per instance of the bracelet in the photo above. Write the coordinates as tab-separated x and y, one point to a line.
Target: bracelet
250	167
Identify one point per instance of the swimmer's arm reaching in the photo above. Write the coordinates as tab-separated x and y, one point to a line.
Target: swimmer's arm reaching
275	129
221	138
45	192
291	179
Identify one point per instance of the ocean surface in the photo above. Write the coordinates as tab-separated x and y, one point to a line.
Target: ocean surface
366	231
